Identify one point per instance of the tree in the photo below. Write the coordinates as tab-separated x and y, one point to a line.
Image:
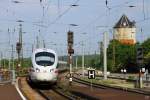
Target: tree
125	56
146	51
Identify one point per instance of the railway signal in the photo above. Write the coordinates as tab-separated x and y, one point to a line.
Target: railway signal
70	52
139	59
139	56
70	38
18	47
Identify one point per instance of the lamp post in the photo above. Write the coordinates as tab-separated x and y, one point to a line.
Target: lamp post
124	71
82	59
142	70
76	61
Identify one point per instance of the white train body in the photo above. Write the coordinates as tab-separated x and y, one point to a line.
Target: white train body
44	66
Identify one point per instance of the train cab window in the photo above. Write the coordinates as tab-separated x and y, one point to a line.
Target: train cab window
45	58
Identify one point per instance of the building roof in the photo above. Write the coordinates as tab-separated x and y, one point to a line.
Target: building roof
124	22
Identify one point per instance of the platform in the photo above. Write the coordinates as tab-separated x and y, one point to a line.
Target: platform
9	92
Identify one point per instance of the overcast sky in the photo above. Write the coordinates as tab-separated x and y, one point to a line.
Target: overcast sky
53	19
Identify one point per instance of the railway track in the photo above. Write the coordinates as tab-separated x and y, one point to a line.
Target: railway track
87	83
46	92
78	91
103	86
51	95
54	92
51	92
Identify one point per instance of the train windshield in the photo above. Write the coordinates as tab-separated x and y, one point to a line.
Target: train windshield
45	58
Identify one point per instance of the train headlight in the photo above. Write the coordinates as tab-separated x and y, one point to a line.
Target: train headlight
56	71
51	70
37	70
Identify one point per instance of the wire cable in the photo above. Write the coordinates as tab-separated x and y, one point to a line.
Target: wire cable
103	15
62	14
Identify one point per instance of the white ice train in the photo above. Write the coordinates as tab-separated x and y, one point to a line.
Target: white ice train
44	66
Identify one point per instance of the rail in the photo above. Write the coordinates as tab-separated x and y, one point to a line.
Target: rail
109	86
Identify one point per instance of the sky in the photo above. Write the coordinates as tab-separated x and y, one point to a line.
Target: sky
54	18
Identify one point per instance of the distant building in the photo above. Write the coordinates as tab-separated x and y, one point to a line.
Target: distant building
125	31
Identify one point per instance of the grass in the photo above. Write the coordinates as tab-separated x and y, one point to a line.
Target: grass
112	82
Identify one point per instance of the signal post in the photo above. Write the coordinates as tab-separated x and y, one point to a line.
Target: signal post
70	52
139	59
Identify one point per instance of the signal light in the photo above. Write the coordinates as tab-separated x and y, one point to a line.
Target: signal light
139	57
71	51
18	47
37	70
70	37
56	71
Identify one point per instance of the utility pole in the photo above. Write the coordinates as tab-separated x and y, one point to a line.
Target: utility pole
8	36
82	59
139	59
20	40
12	57
9	63
44	44
70	65
105	55
1	60
32	47
4	61
114	52
19	46
101	52
37	42
76	61
70	52
20	34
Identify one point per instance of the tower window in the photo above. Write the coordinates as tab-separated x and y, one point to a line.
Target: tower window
124	24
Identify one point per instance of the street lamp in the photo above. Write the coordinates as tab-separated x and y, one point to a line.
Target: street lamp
73	24
142	70
19	21
74	5
124	71
131	6
17	2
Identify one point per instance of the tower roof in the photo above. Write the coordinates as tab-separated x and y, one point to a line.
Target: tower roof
124	22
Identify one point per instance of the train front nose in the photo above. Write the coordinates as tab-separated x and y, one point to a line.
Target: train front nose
46	77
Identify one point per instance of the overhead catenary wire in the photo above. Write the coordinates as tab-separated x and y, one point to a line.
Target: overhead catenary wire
111	8
114	6
63	13
58	6
106	2
144	9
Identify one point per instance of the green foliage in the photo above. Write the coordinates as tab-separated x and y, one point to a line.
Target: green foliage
90	61
131	77
146	51
146	46
120	56
27	62
5	63
125	55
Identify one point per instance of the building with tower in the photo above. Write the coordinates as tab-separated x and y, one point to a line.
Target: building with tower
125	31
